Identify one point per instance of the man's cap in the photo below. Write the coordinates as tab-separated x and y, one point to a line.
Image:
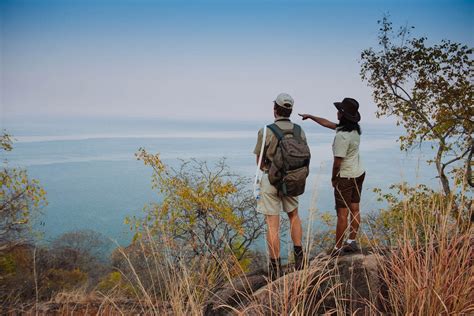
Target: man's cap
285	100
349	108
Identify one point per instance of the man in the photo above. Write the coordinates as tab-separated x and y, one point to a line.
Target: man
271	202
347	172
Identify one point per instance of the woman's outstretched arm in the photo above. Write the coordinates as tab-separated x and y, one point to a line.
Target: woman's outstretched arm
321	121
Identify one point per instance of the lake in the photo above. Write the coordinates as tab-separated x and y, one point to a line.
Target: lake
93	180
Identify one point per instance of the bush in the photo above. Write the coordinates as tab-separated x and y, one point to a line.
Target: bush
114	284
204	211
56	280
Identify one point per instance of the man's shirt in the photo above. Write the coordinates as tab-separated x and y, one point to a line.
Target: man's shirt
271	141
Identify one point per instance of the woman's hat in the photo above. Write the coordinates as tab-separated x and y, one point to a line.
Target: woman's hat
349	108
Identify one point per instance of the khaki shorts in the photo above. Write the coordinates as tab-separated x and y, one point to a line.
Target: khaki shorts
270	203
348	190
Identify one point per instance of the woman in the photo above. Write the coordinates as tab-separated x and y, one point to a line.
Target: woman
347	172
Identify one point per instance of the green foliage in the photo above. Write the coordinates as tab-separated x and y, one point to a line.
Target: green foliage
430	91
7	265
245	259
203	211
114	283
323	238
6	142
417	207
20	199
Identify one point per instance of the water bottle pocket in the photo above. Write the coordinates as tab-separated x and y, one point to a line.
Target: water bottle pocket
256	190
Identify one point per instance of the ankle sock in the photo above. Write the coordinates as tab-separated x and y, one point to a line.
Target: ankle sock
298	250
275	262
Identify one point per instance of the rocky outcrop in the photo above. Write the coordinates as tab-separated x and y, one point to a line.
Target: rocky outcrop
347	284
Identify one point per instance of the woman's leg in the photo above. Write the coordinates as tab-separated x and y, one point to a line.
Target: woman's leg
355	220
341	226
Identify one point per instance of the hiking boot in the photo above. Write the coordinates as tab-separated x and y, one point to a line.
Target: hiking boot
351	247
299	258
274	269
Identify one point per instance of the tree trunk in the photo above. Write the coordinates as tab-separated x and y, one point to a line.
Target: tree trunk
441	174
469	179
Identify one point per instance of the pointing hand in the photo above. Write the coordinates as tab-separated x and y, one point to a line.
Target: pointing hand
304	116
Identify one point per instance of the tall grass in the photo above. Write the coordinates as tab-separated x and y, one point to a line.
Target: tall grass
314	290
163	285
430	270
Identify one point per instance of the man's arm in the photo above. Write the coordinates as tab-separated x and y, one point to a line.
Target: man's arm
321	121
336	167
258	146
263	162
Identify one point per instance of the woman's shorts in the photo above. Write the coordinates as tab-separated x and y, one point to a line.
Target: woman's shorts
348	190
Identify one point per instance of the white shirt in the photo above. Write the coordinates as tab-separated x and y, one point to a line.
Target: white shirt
346	145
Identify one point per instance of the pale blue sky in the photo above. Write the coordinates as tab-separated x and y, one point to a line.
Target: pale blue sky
205	59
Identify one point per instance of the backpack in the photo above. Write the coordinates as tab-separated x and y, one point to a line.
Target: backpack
290	166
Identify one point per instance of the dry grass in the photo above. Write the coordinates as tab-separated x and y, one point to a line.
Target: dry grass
430	271
300	293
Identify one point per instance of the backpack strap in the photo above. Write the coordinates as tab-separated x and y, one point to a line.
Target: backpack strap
297	132
277	131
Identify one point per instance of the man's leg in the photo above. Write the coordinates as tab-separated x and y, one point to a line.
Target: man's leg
296	235
295	227
273	235
273	241
341	226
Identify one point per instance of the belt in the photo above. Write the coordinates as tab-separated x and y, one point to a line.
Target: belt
350	178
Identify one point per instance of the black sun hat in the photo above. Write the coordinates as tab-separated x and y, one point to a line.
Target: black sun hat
349	108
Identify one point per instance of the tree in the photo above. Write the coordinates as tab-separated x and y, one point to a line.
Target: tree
86	250
429	89
87	243
20	198
203	211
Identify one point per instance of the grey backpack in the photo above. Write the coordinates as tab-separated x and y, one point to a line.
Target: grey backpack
290	166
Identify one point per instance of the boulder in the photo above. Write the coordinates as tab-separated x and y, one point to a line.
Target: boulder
347	284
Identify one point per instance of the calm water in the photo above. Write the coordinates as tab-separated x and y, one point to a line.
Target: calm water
93	180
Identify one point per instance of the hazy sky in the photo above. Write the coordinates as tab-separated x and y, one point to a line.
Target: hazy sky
205	59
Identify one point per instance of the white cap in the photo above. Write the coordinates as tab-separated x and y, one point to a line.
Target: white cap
284	100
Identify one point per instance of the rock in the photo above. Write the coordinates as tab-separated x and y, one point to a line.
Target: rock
348	284
235	294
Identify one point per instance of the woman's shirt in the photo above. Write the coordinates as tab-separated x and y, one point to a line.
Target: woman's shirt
346	145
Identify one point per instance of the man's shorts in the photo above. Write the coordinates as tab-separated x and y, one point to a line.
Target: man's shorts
348	190
270	203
